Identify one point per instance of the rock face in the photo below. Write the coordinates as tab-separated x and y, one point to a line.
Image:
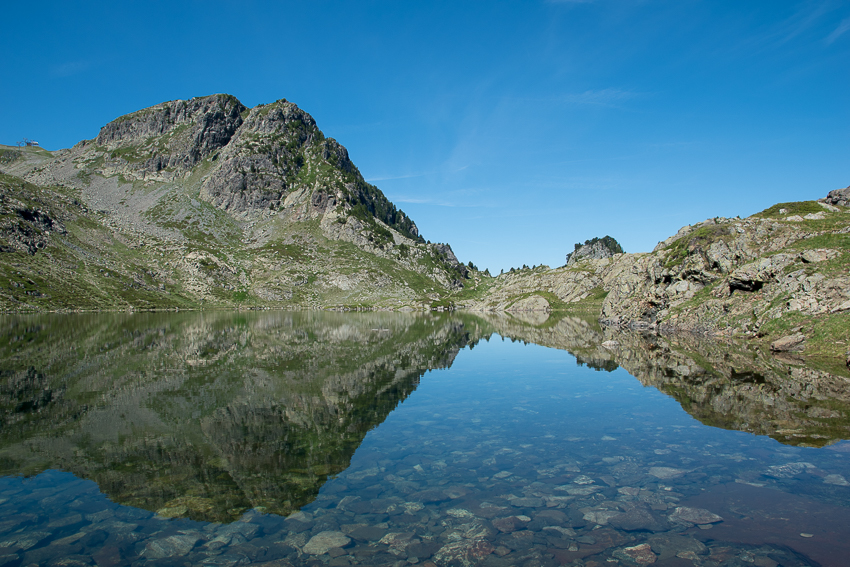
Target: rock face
840	197
595	249
173	135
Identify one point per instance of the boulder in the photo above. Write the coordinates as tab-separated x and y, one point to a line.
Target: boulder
818	255
753	276
839	197
790	343
325	541
639	554
698	516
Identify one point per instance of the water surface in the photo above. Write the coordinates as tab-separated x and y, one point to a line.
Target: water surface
379	439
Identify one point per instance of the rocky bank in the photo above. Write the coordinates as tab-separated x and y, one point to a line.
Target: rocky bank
781	276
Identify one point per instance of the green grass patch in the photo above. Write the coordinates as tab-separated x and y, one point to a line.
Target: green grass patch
801	208
693	242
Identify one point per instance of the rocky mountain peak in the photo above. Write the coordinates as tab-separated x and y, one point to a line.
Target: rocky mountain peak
176	134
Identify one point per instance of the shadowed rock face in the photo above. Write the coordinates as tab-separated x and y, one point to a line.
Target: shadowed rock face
176	134
839	197
204	415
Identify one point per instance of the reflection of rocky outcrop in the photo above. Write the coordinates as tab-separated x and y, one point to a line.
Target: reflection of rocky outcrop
206	415
721	383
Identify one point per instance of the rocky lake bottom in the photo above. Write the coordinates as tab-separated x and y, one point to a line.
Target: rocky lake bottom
500	453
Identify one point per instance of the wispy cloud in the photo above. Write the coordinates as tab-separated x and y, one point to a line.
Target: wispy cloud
71	68
414	175
793	27
411	200
842	28
611	98
390	177
426	202
444	202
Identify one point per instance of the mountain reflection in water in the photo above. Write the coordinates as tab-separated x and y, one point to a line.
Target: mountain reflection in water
222	416
207	415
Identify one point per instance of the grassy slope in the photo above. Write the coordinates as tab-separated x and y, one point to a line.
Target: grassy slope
93	267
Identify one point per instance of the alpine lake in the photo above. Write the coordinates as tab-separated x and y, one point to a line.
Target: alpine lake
319	438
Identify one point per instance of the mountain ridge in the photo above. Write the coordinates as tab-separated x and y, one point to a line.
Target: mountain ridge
206	202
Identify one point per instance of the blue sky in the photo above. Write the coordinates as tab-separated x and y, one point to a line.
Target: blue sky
510	130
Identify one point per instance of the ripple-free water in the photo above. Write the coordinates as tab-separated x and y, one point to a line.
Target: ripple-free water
438	452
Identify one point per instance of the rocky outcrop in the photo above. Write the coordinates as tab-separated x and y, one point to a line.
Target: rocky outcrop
840	197
261	165
173	135
726	276
595	249
25	223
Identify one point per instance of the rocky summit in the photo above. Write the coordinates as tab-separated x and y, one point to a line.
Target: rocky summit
202	203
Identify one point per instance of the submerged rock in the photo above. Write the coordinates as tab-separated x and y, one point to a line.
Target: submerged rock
170	546
325	541
640	554
699	516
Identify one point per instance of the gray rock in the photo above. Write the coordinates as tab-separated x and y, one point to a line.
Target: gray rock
839	197
699	516
464	552
637	518
596	251
819	255
176	545
790	343
199	127
324	541
368	533
668	546
639	554
753	276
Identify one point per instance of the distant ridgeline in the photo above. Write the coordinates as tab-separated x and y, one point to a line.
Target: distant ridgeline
595	249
